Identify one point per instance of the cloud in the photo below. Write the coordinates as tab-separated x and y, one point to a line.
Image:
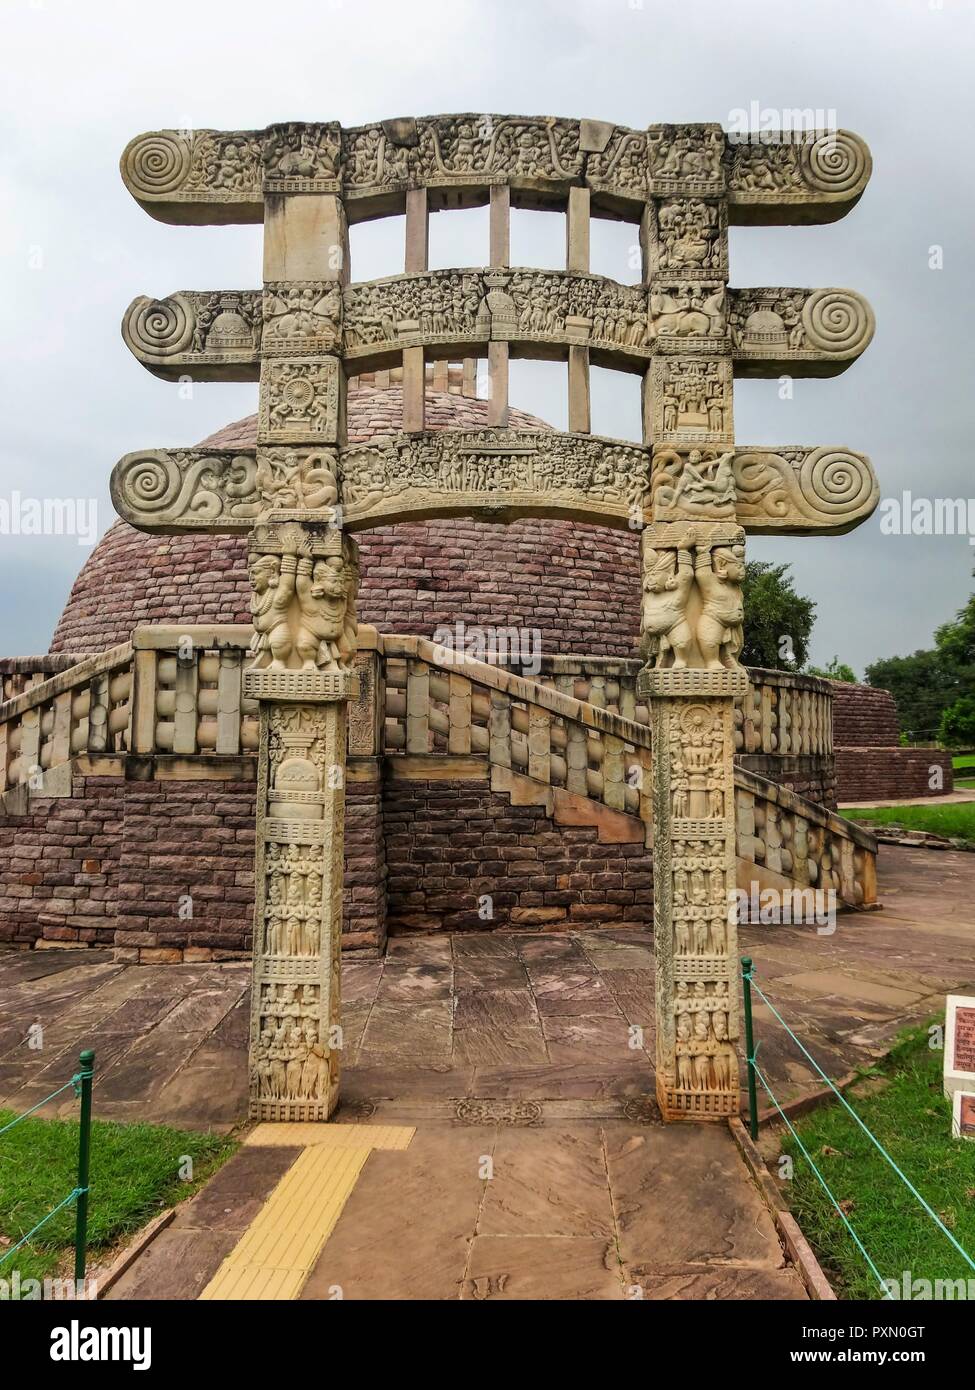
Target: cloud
81	79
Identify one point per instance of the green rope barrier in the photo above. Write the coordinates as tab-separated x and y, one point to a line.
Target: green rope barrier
824	1184
875	1141
71	1197
81	1084
74	1082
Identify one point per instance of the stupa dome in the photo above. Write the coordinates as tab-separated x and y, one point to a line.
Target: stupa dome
578	585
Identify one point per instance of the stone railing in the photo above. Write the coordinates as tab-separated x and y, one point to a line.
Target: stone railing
83	709
189	700
189	696
783	714
433	707
577	729
785	842
21	673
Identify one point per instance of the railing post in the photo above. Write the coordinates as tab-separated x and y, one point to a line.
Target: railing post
746	981
87	1060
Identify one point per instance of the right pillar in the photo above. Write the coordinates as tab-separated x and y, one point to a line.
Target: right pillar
694	861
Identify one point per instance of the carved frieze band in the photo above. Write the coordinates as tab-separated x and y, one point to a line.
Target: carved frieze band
221	335
222	176
504	473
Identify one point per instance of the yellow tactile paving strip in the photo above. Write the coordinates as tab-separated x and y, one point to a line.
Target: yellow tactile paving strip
276	1253
334	1136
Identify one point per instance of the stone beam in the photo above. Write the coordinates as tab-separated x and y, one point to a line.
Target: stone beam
211	176
499	475
221	335
208	336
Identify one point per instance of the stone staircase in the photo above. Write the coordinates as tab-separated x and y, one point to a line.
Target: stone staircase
587	765
143	708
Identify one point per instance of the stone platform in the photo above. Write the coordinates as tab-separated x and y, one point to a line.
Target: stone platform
512	1047
509	1018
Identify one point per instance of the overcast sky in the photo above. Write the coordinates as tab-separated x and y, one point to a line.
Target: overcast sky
81	77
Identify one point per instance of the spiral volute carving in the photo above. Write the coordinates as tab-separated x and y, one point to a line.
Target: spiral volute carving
156	163
836	162
836	481
157	329
837	322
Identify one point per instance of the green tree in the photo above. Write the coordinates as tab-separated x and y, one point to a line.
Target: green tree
956	640
957	728
778	621
927	683
835	670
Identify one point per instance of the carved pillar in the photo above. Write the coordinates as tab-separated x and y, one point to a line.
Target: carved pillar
694	861
304	576
692	563
295	1004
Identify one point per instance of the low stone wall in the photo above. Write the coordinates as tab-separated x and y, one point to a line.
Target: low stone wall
164	870
60	866
890	774
870	763
811	777
450	842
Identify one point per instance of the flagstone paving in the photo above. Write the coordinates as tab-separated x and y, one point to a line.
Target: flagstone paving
562	1020
531	1054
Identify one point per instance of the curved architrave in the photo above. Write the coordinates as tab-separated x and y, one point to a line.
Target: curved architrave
783	179
806	333
493	475
496	475
537	312
210	176
221	335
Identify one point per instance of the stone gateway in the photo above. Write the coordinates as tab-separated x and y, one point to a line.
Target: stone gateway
303	490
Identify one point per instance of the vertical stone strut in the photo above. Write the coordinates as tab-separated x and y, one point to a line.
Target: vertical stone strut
304	577
692	568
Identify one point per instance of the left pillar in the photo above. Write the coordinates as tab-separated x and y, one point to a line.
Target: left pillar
304	577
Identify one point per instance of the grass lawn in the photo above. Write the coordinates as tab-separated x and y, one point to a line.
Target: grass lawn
954	819
911	1118
134	1175
964	764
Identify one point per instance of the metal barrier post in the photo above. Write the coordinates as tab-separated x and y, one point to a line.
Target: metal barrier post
87	1060
746	971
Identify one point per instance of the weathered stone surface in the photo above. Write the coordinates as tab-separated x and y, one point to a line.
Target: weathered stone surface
693	1218
547	1184
405	1230
687	333
542	1269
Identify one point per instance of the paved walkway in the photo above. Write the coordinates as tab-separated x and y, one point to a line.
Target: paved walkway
530	1054
611	1210
948	799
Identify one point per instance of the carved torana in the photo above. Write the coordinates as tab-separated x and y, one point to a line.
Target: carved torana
687	487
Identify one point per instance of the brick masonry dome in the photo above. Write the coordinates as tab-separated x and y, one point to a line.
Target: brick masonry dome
577	584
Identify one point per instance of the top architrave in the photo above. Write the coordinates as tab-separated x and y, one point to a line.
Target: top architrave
218	177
